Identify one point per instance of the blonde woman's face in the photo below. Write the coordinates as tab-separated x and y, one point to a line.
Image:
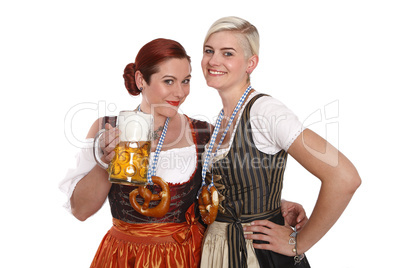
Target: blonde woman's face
224	63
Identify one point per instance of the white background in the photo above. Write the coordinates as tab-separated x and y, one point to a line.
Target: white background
61	67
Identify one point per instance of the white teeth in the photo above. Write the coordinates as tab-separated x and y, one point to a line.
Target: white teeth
215	72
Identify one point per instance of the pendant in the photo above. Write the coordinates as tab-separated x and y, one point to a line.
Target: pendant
208	203
164	196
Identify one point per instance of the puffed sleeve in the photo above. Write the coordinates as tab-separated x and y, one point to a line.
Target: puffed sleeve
84	164
274	126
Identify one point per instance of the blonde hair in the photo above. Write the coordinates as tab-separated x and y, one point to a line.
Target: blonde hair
250	39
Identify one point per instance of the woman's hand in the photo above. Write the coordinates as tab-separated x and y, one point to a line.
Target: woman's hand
294	214
108	142
277	235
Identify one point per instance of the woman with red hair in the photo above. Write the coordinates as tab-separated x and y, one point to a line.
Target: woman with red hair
161	73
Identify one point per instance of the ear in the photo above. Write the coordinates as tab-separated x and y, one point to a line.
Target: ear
139	79
252	64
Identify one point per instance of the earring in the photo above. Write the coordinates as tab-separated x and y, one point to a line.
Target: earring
141	89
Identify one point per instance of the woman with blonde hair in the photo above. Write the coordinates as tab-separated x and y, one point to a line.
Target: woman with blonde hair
246	159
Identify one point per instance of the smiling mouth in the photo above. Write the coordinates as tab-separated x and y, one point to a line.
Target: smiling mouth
214	72
174	103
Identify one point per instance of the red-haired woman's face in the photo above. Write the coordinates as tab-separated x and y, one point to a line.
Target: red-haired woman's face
168	88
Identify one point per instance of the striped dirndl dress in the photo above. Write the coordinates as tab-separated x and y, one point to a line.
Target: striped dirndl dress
250	183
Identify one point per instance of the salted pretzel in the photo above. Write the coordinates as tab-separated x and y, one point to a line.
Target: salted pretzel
208	203
161	209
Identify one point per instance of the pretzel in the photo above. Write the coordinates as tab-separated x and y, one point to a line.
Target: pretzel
208	204
161	209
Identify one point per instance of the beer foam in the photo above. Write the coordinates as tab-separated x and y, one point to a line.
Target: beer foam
135	126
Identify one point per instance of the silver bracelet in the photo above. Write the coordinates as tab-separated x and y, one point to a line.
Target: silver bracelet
293	241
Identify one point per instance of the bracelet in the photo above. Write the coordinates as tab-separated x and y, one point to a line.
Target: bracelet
293	241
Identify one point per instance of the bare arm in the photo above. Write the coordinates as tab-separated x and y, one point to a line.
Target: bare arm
339	181
92	190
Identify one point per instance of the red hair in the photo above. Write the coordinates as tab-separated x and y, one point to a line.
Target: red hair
148	59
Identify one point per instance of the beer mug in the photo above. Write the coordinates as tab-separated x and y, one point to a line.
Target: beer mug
129	166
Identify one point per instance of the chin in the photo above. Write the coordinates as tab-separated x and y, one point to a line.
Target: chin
165	110
213	84
170	112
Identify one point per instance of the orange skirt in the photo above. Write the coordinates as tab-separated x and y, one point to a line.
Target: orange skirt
151	245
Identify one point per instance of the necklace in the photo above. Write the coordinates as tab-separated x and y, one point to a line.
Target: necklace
147	194
215	133
152	170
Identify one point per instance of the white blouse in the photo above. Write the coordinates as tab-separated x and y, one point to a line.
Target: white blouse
174	166
274	126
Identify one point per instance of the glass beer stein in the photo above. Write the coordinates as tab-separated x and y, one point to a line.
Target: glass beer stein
129	166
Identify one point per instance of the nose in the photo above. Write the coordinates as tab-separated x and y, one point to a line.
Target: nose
214	60
179	91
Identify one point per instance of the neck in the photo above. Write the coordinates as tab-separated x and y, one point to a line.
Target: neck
230	98
159	120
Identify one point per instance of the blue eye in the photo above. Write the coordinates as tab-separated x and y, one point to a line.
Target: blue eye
228	54
209	51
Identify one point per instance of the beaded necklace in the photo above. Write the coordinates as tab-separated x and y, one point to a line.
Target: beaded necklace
152	170
215	133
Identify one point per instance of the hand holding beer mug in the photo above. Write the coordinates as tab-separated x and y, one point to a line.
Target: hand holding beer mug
129	165
109	139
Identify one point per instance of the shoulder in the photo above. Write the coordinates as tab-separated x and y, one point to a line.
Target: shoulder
202	130
274	125
100	124
261	99
96	126
265	105
199	124
258	99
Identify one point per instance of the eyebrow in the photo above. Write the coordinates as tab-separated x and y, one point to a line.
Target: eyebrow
224	48
168	76
228	48
173	77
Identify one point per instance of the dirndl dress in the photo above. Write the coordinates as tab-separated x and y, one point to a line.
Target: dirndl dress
248	192
135	240
173	240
